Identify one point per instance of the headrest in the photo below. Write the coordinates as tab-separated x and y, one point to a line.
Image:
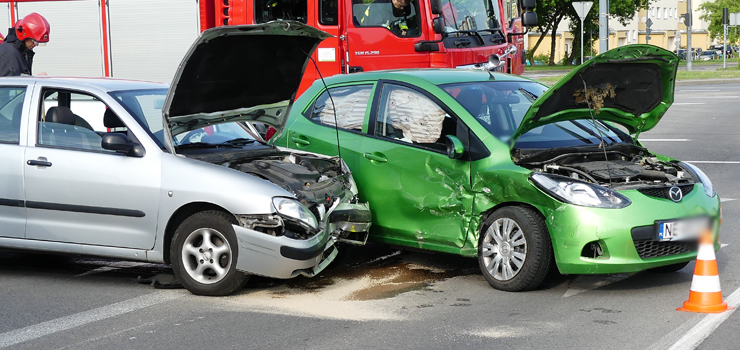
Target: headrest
471	99
60	115
111	120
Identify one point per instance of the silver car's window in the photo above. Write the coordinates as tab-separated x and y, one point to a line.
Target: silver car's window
351	105
215	134
74	120
11	105
146	107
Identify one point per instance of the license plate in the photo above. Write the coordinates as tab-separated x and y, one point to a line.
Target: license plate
681	230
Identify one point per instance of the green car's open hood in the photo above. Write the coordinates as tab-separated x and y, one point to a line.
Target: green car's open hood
630	85
240	73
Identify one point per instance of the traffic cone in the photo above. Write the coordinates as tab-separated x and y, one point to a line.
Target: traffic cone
705	295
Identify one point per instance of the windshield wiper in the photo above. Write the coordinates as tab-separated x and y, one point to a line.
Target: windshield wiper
204	145
239	142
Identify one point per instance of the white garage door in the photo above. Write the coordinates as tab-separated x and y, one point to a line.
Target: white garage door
74	47
150	37
4	18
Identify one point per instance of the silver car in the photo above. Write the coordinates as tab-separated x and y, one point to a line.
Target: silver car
91	167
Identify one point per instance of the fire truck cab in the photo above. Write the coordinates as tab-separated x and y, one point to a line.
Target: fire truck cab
388	34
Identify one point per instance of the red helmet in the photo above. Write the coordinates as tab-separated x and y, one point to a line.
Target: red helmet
34	26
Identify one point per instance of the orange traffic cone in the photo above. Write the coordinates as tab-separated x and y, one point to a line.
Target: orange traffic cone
705	295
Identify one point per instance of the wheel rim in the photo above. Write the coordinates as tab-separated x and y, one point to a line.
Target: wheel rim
504	249
206	256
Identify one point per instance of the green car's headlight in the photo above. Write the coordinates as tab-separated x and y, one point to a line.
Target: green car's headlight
578	192
294	209
708	188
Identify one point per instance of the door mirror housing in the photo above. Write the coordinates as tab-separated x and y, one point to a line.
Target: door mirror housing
436	6
529	19
118	142
455	147
528	4
439	25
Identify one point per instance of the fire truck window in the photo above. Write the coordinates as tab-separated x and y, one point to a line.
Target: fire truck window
328	9
470	15
271	10
351	105
409	116
398	16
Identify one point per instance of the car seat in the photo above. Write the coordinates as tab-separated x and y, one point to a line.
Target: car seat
58	129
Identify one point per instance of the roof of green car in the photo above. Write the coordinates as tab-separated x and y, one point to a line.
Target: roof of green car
436	76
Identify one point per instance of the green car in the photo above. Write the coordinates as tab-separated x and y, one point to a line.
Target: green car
502	168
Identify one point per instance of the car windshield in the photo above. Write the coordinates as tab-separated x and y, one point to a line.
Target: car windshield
146	107
500	106
475	15
232	133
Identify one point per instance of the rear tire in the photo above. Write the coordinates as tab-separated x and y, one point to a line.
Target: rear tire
204	253
514	249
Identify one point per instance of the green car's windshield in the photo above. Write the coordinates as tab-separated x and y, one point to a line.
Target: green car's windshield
475	15
500	107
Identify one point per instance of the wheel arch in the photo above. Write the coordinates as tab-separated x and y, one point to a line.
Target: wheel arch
180	215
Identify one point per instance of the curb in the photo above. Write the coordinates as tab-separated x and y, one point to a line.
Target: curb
690	82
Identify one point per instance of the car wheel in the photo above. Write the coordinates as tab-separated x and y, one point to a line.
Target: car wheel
669	268
514	249
204	253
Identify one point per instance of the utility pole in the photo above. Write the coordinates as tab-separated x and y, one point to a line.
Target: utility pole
689	52
603	26
725	22
582	8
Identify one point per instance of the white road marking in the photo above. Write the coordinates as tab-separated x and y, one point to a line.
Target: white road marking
713	161
79	319
586	283
717	97
688	103
690	91
706	326
665	140
727	199
722	245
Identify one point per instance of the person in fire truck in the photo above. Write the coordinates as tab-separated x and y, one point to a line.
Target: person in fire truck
16	52
398	16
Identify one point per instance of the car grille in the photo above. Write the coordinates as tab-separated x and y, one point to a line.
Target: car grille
662	192
653	249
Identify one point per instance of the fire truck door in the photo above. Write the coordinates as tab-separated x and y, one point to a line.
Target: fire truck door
380	36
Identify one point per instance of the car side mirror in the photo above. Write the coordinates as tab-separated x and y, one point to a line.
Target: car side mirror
455	147
435	7
439	25
528	4
529	19
118	142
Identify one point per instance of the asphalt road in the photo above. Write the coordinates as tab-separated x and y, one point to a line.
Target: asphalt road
380	298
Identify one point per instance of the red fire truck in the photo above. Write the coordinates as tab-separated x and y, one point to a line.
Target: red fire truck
372	35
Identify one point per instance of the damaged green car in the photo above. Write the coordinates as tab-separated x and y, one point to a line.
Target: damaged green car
523	177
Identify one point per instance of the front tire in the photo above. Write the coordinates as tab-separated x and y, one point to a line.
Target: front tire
514	249
204	253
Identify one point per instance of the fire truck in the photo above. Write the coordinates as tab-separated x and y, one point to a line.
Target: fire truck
377	34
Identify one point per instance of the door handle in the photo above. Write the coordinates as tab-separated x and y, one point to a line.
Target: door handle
376	158
42	163
300	140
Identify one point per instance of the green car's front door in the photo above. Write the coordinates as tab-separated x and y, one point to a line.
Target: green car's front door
418	195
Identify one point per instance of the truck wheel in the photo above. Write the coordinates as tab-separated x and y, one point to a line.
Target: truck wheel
514	249
204	253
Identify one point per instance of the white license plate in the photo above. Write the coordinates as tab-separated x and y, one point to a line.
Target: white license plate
681	230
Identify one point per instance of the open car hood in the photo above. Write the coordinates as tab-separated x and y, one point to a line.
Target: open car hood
240	73
630	85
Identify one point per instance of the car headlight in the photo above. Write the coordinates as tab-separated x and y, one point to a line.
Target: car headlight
581	193
708	188
294	209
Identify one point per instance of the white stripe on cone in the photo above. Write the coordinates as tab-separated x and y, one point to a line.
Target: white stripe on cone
705	284
706	252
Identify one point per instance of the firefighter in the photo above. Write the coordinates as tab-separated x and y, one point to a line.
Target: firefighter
398	16
16	52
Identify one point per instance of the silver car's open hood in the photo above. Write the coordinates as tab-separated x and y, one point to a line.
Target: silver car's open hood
240	73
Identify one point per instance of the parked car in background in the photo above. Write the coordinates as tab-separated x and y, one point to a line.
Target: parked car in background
504	169
91	167
708	55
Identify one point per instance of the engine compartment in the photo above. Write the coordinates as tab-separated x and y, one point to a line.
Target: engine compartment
623	167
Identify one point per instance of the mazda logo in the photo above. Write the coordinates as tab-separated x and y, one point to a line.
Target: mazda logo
675	194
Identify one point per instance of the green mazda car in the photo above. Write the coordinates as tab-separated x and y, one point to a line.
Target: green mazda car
524	177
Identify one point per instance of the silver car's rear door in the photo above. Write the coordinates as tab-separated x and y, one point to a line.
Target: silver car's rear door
77	192
13	98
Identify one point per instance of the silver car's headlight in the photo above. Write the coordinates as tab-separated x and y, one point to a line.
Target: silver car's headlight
294	209
579	193
708	188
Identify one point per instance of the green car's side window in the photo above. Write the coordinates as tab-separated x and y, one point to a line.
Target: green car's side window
347	110
409	116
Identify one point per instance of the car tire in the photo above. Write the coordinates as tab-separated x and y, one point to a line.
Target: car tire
669	268
514	249
204	253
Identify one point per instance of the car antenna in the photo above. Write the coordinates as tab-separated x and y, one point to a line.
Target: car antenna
334	106
601	136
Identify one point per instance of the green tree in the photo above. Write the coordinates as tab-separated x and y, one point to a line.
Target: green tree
712	13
